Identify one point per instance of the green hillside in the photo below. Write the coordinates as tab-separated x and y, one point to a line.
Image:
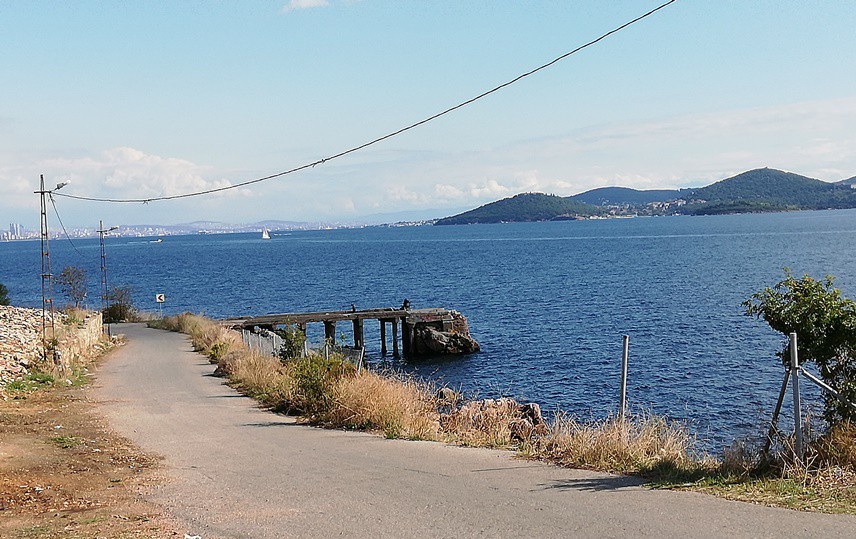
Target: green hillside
523	207
768	189
604	196
759	190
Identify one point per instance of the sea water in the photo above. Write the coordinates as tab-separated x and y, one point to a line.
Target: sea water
548	302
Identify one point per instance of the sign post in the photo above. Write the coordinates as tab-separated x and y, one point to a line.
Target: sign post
159	299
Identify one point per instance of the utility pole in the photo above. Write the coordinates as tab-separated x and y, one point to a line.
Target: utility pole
105	299
47	277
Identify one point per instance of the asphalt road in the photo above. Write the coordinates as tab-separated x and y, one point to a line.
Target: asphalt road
238	471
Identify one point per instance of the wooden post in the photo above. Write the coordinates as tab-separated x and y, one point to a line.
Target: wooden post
330	332
395	338
382	337
358	332
622	401
795	379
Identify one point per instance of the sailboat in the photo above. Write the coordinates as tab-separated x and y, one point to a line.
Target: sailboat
265	234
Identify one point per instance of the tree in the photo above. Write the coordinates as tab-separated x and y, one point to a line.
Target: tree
4	295
121	307
825	324
73	282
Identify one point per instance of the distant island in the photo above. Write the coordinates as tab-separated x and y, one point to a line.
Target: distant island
759	190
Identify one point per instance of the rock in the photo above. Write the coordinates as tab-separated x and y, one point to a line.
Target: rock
429	340
447	395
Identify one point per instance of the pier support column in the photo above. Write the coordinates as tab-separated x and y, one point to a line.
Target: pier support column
395	338
406	338
382	337
358	333
302	327
330	332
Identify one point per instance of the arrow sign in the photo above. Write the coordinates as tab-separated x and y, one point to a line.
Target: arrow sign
160	298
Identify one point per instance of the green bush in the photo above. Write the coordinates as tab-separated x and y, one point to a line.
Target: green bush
4	295
314	378
293	341
121	307
825	324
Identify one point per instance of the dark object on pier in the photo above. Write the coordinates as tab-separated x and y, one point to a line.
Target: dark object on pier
423	331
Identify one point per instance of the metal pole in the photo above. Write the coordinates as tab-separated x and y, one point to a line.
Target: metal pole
798	435
827	388
105	301
47	278
774	423
622	403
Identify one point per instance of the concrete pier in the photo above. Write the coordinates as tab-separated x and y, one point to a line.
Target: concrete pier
410	320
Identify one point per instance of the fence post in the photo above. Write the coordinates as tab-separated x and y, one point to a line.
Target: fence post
622	403
795	376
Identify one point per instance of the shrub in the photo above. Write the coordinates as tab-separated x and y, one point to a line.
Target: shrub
293	341
825	324
121	308
4	295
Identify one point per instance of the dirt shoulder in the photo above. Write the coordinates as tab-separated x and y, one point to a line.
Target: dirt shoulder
63	473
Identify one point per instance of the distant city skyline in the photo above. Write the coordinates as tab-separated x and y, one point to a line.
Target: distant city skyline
142	100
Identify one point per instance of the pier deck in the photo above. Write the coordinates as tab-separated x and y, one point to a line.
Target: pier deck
442	319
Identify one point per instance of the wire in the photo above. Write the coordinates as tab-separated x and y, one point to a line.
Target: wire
381	138
63	225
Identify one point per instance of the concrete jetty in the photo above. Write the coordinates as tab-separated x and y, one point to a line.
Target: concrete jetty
423	331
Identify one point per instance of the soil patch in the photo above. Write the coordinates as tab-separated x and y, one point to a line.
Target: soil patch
63	473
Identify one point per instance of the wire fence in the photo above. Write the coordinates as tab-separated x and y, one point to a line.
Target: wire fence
270	343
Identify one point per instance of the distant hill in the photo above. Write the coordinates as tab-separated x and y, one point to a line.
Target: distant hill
523	207
768	189
605	196
759	190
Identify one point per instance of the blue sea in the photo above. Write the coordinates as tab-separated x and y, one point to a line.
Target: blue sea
548	302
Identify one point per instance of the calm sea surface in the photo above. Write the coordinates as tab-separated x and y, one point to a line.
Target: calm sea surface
548	302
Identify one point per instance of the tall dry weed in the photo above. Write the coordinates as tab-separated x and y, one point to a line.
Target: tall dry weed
486	423
401	408
638	444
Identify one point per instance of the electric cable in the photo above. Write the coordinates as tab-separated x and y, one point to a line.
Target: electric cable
53	203
381	138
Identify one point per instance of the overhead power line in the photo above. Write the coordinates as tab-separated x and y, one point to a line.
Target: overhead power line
381	138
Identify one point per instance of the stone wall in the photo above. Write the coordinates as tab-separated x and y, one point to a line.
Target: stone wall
21	336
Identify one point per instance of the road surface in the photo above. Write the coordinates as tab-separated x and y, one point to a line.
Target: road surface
238	471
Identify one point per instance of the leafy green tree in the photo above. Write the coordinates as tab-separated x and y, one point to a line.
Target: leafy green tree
825	324
73	282
4	295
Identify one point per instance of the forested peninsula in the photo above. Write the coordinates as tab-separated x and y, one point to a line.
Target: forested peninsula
759	190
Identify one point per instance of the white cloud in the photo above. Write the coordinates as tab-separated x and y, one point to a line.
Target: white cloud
294	5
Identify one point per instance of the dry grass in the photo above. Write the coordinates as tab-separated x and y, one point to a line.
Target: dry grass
333	394
486	423
399	407
640	444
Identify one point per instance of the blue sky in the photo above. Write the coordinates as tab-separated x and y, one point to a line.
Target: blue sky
139	99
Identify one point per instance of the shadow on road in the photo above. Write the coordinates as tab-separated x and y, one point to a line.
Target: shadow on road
595	484
271	424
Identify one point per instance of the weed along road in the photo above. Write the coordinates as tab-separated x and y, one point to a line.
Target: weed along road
238	471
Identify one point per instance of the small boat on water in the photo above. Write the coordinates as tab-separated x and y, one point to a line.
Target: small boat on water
159	240
265	234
